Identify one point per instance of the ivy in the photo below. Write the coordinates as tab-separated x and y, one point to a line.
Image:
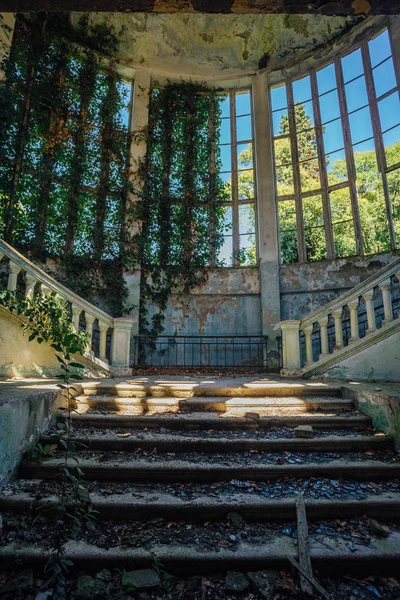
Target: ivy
181	197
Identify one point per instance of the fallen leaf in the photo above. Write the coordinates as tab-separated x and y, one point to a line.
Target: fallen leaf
361	7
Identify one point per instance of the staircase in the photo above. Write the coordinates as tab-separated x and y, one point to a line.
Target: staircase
204	475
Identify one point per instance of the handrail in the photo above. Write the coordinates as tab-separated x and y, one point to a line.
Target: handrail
120	327
366	290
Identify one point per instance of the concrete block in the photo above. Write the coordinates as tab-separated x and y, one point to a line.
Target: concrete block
304	431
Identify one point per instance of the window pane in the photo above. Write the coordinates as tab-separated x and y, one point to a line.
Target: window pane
247	219
326	79
227	179
287	228
283	153
307	145
360	125
246	184
243	128
329	105
278	97
314	230
384	78
227	224
280	122
302	89
389	111
225	131
243	103
225	106
226	160
391	141
304	115
336	167
225	252
379	48
394	192
247	254
356	94
342	223
284	180
352	65
309	175
333	136
245	156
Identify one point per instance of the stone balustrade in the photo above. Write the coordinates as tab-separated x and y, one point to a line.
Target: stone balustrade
32	281
376	290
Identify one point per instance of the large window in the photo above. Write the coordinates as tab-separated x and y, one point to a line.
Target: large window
237	171
337	156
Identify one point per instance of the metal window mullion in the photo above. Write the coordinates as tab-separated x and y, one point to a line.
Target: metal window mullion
301	243
212	172
235	193
351	169
326	207
378	138
254	201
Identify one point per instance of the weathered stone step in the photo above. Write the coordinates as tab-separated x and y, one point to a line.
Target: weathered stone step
115	469
263	405
177	444
198	420
250	507
383	558
231	388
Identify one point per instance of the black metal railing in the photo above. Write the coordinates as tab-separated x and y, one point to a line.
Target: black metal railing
233	352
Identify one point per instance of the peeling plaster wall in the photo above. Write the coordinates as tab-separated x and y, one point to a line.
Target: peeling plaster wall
306	287
228	303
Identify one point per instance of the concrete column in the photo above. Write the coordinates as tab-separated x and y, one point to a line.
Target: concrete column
323	324
13	271
7	22
103	340
268	245
369	304
291	345
387	301
337	315
308	331
120	347
30	281
76	313
353	306
139	122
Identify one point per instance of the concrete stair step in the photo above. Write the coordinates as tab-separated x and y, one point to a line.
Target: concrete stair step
186	559
229	405
122	507
199	420
177	444
169	469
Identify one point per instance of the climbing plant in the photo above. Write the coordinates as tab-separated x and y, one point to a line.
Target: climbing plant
180	197
64	137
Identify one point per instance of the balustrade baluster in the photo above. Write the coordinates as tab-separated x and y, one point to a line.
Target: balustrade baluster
353	306
76	313
103	340
30	281
337	315
45	289
369	305
13	271
387	301
323	323
308	331
89	330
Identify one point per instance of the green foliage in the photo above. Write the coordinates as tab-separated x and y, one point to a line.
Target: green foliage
181	196
64	137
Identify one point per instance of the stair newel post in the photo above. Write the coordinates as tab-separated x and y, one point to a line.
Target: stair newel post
387	302
308	331
121	342
76	313
291	345
323	323
13	271
337	316
103	340
369	304
89	319
30	282
353	306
